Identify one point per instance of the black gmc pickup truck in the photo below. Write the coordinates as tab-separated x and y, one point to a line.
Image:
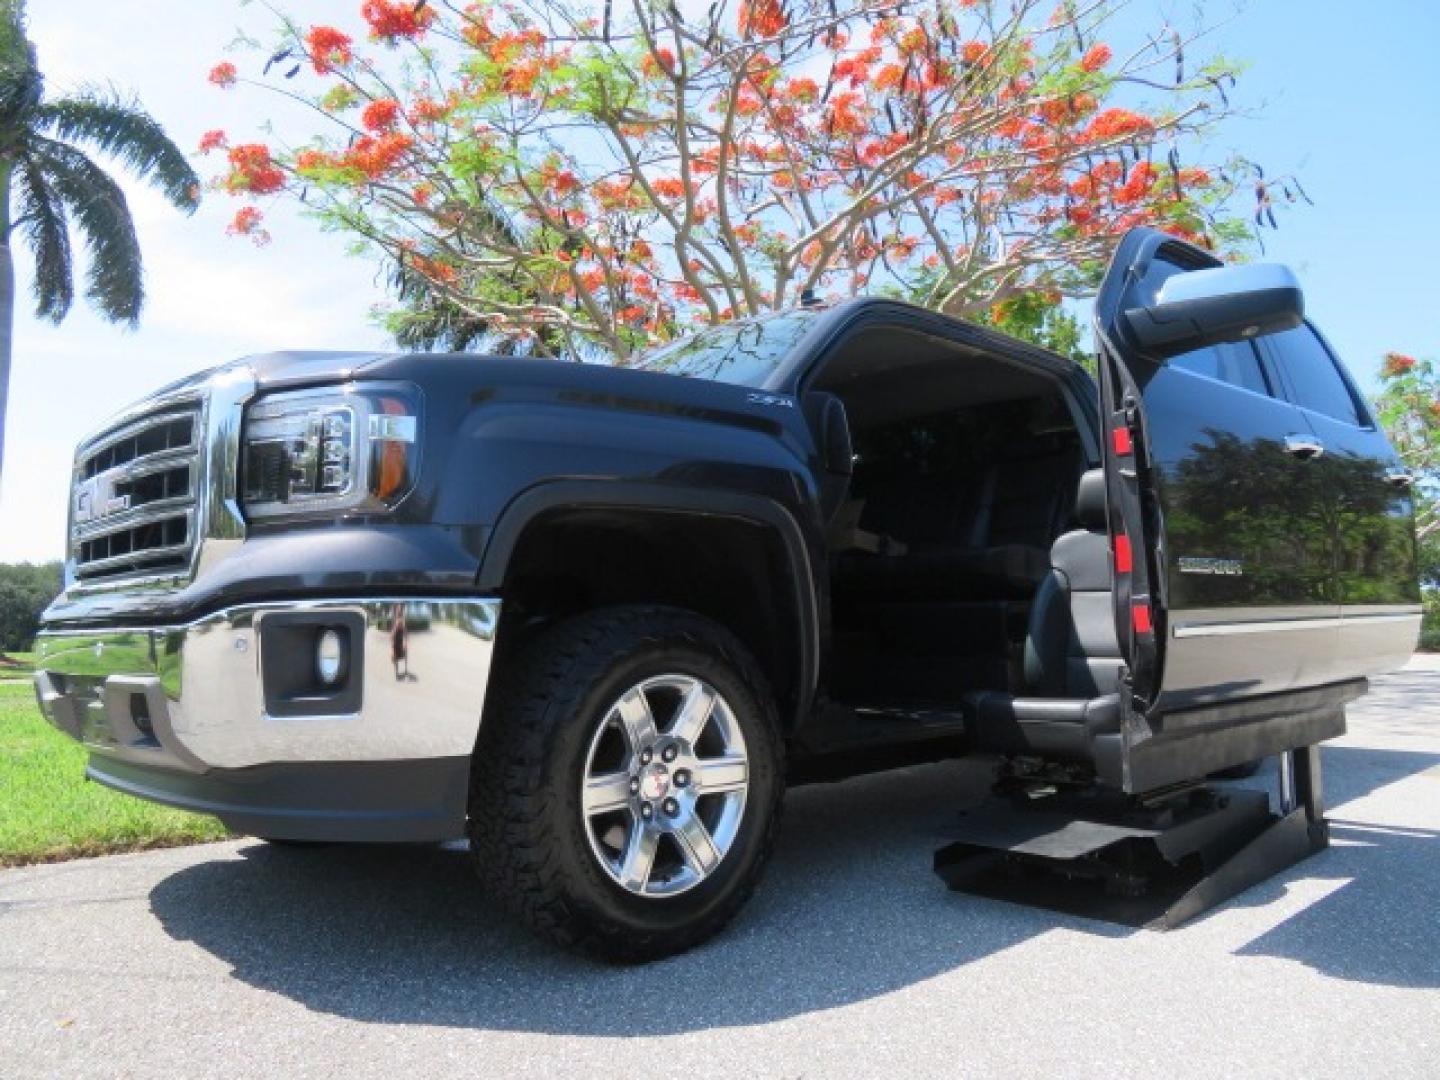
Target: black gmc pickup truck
598	617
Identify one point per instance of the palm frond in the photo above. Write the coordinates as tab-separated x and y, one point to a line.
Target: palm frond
42	221
124	130
428	318
114	274
21	84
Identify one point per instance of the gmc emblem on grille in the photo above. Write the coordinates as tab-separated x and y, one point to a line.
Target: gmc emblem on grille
96	498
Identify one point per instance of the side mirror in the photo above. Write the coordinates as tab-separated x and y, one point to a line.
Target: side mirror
1209	307
831	426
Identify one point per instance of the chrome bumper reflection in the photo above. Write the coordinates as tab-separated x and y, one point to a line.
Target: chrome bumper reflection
190	697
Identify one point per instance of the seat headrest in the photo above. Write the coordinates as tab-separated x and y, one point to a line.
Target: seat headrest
1090	501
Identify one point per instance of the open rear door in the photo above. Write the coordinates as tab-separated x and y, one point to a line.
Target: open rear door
1221	526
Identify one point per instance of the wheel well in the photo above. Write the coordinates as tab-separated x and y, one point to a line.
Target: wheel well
732	570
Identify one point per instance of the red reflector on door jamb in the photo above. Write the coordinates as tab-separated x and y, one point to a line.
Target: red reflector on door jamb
1121	437
1140	617
1123	557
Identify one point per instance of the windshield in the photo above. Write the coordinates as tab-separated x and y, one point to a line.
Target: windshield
746	353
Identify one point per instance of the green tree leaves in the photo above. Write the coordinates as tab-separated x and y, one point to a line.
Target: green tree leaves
26	589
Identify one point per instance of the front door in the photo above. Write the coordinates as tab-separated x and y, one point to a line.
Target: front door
1223	535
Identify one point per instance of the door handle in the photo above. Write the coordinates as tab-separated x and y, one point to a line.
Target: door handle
1399	476
1304	447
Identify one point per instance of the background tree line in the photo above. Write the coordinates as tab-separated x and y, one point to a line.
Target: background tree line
25	591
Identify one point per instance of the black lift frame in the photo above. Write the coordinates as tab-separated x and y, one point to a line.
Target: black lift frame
1155	861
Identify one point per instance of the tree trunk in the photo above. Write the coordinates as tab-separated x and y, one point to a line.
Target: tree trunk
7	306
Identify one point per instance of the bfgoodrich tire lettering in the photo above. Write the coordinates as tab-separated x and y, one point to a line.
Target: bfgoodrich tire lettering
529	830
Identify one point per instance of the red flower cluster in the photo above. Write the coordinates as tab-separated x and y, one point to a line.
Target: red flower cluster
1096	57
310	159
1118	123
377	155
1397	364
247	223
212	140
856	69
427	110
1138	184
803	90
521	76
329	49
222	75
252	170
381	115
661	60
877	150
762	18
562	182
393	19
441	273
1068	110
846	115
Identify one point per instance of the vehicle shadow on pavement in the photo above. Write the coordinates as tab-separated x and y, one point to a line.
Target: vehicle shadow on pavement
849	910
1380	925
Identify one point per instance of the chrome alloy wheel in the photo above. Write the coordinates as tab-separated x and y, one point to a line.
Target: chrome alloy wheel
665	783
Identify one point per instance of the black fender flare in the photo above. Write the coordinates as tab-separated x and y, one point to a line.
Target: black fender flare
542	498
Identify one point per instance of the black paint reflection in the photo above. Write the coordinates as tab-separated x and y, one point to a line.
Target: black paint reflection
1304	532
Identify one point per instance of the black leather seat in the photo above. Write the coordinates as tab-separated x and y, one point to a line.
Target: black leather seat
986	541
1072	657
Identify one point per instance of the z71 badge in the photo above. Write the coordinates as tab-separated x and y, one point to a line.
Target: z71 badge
1193	564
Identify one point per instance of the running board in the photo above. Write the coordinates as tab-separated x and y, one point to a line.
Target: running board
1155	863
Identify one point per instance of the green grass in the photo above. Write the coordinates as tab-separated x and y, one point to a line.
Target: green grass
16	665
49	811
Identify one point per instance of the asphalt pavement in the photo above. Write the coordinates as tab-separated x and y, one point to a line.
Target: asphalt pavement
239	959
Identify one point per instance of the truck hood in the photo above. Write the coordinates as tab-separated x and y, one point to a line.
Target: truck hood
299	368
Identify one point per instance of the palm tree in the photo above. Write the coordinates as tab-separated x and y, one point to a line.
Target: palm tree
48	185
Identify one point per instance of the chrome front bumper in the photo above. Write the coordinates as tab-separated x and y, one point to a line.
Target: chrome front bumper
179	714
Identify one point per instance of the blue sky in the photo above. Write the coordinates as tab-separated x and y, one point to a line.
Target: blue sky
1351	103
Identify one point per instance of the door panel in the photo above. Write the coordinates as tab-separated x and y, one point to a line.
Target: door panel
1228	610
1370	515
1248	550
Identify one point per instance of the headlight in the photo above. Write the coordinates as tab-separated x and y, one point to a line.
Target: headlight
331	449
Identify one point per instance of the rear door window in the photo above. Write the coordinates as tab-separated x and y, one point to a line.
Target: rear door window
1314	379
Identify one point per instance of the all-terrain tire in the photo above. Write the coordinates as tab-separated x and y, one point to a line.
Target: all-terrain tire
528	834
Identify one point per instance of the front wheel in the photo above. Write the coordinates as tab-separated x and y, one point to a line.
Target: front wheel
627	782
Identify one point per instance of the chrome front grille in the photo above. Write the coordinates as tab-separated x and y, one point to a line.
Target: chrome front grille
133	509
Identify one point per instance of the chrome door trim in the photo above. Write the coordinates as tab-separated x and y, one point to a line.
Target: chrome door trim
1267	626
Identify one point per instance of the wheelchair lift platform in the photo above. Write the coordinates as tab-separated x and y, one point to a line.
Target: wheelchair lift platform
1155	861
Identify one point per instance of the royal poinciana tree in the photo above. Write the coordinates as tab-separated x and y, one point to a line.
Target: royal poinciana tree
1409	408
606	176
